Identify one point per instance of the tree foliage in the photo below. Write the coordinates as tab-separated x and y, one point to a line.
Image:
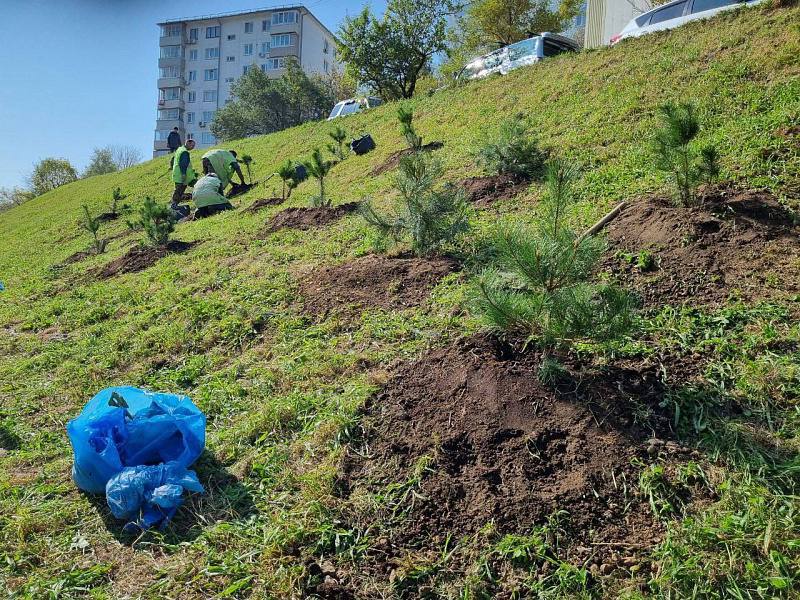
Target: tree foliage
14	196
405	115
288	173
156	220
513	151
50	173
338	148
101	162
125	156
539	285
318	168
92	226
389	54
432	216
262	105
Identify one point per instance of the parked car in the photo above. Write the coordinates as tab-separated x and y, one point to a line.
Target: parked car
675	14
520	54
354	105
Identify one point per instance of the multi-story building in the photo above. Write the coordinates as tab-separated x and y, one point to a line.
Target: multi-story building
201	57
606	18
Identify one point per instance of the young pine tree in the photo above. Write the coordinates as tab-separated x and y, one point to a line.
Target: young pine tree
406	117
92	226
247	160
318	168
540	283
338	136
513	151
116	197
676	155
287	172
156	220
431	216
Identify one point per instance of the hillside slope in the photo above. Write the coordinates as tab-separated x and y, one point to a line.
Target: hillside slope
283	368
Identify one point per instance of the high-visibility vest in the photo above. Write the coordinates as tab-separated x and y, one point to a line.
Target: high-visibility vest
177	176
222	162
206	192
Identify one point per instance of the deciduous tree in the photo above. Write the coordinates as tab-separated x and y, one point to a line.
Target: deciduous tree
50	173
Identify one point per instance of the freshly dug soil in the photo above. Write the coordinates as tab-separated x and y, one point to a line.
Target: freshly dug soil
140	258
308	218
108	216
263	203
394	159
740	243
508	450
485	191
77	257
373	281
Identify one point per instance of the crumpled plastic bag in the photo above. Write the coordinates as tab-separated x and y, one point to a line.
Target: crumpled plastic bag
148	496
125	427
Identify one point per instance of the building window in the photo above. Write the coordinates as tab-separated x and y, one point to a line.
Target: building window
264	49
213	32
230	58
282	40
245	69
265	25
172	93
207	138
162	135
169	114
192	54
229	80
248	27
210	96
208	116
325	66
273	64
194	33
170	30
248	49
232	37
280	18
192	75
189	136
191	97
189	117
211	74
212	53
169	72
325	47
171	52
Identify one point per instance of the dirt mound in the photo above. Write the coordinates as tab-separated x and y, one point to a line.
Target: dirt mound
484	191
394	159
140	258
77	257
736	242
308	218
262	203
373	281
503	448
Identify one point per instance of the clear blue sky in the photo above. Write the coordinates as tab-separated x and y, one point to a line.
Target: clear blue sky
79	74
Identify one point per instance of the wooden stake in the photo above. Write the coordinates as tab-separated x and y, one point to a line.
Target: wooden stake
600	225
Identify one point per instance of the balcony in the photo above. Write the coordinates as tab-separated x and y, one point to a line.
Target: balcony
172	62
285	51
285	28
166	104
172	40
171	82
169	125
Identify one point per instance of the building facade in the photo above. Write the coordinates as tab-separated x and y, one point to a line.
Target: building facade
606	18
201	57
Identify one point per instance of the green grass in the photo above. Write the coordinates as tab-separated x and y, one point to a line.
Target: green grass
222	323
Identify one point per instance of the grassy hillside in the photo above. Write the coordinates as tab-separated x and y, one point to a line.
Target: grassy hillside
282	388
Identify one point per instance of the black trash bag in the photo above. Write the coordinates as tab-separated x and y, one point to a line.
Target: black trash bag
238	190
362	145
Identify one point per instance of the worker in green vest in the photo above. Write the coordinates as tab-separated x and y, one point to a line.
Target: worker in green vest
182	173
223	164
207	196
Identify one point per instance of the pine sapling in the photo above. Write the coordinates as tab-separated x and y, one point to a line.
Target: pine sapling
513	151
116	197
431	216
318	168
709	164
287	172
247	160
338	135
406	118
539	284
92	226
156	220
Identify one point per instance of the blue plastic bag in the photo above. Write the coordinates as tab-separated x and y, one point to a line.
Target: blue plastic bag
141	429
149	496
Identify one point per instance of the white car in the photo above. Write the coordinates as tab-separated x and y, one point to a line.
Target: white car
354	105
674	14
520	54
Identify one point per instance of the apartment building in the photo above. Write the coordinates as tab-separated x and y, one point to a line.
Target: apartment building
201	57
606	18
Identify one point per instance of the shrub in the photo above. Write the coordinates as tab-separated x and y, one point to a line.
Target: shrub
319	168
247	160
116	197
406	118
676	156
513	151
156	220
539	283
338	135
92	225
287	172
429	215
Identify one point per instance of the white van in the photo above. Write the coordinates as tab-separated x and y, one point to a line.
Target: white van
520	54
353	105
675	14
